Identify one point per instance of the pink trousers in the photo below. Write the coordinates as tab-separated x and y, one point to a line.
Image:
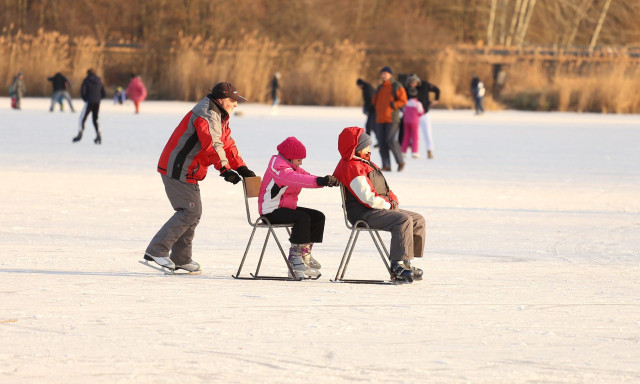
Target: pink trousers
411	136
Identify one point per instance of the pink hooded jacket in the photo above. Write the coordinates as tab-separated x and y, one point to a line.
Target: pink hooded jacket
136	91
282	184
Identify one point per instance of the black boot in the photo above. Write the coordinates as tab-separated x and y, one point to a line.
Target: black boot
417	272
401	272
98	139
78	138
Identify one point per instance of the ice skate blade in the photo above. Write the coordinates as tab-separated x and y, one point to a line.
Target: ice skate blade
356	281
280	278
155	266
404	280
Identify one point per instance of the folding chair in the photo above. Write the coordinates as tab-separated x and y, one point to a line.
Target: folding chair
356	228
251	188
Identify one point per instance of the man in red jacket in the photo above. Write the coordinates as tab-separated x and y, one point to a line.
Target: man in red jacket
202	138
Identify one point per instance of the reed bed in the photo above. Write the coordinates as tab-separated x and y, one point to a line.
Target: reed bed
316	74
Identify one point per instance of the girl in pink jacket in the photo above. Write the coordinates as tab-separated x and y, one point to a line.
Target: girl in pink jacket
136	91
278	202
412	112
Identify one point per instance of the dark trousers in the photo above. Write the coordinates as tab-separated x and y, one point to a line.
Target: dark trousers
308	224
370	126
479	108
388	136
94	108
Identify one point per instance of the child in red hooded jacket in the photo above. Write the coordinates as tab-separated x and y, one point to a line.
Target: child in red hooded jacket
369	198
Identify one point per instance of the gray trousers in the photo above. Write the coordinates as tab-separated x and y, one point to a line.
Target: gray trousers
387	134
175	237
407	231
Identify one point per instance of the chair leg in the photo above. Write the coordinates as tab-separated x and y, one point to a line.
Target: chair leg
264	247
344	256
353	246
382	255
382	251
270	231
284	255
246	251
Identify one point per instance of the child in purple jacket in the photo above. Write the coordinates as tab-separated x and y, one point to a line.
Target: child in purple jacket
278	201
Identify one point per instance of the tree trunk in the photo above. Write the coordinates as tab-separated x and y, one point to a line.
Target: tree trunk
525	24
514	22
492	18
580	13
596	32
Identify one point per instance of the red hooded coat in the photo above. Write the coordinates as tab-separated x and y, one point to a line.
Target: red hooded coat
362	178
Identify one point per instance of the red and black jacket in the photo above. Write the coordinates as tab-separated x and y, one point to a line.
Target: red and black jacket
202	138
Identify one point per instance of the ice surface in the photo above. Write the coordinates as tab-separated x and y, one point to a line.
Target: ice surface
531	269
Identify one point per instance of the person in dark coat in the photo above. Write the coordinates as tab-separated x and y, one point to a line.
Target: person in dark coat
61	85
275	92
92	92
368	108
477	91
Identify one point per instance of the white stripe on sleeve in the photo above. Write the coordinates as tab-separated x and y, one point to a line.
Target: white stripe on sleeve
360	186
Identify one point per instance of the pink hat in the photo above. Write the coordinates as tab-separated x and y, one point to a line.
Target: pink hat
291	148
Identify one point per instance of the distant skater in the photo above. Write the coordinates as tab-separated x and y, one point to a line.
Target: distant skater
389	98
477	91
61	86
275	93
413	110
136	91
17	90
119	97
368	107
424	88
92	92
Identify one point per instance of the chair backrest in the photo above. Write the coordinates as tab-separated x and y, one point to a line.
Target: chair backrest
344	206
251	188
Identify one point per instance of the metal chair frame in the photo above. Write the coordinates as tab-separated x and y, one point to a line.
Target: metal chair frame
356	228
262	222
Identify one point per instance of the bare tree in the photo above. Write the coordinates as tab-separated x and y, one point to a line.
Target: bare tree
596	32
492	18
524	26
580	14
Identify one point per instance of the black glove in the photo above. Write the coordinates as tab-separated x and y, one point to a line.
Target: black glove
231	176
245	172
327	181
394	205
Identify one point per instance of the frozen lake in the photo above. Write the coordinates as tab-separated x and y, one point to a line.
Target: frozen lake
532	260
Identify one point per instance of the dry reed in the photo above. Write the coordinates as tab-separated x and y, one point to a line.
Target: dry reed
316	74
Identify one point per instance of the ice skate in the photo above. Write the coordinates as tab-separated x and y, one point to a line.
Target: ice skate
300	269
308	259
415	155
164	262
417	272
192	268
78	138
401	272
